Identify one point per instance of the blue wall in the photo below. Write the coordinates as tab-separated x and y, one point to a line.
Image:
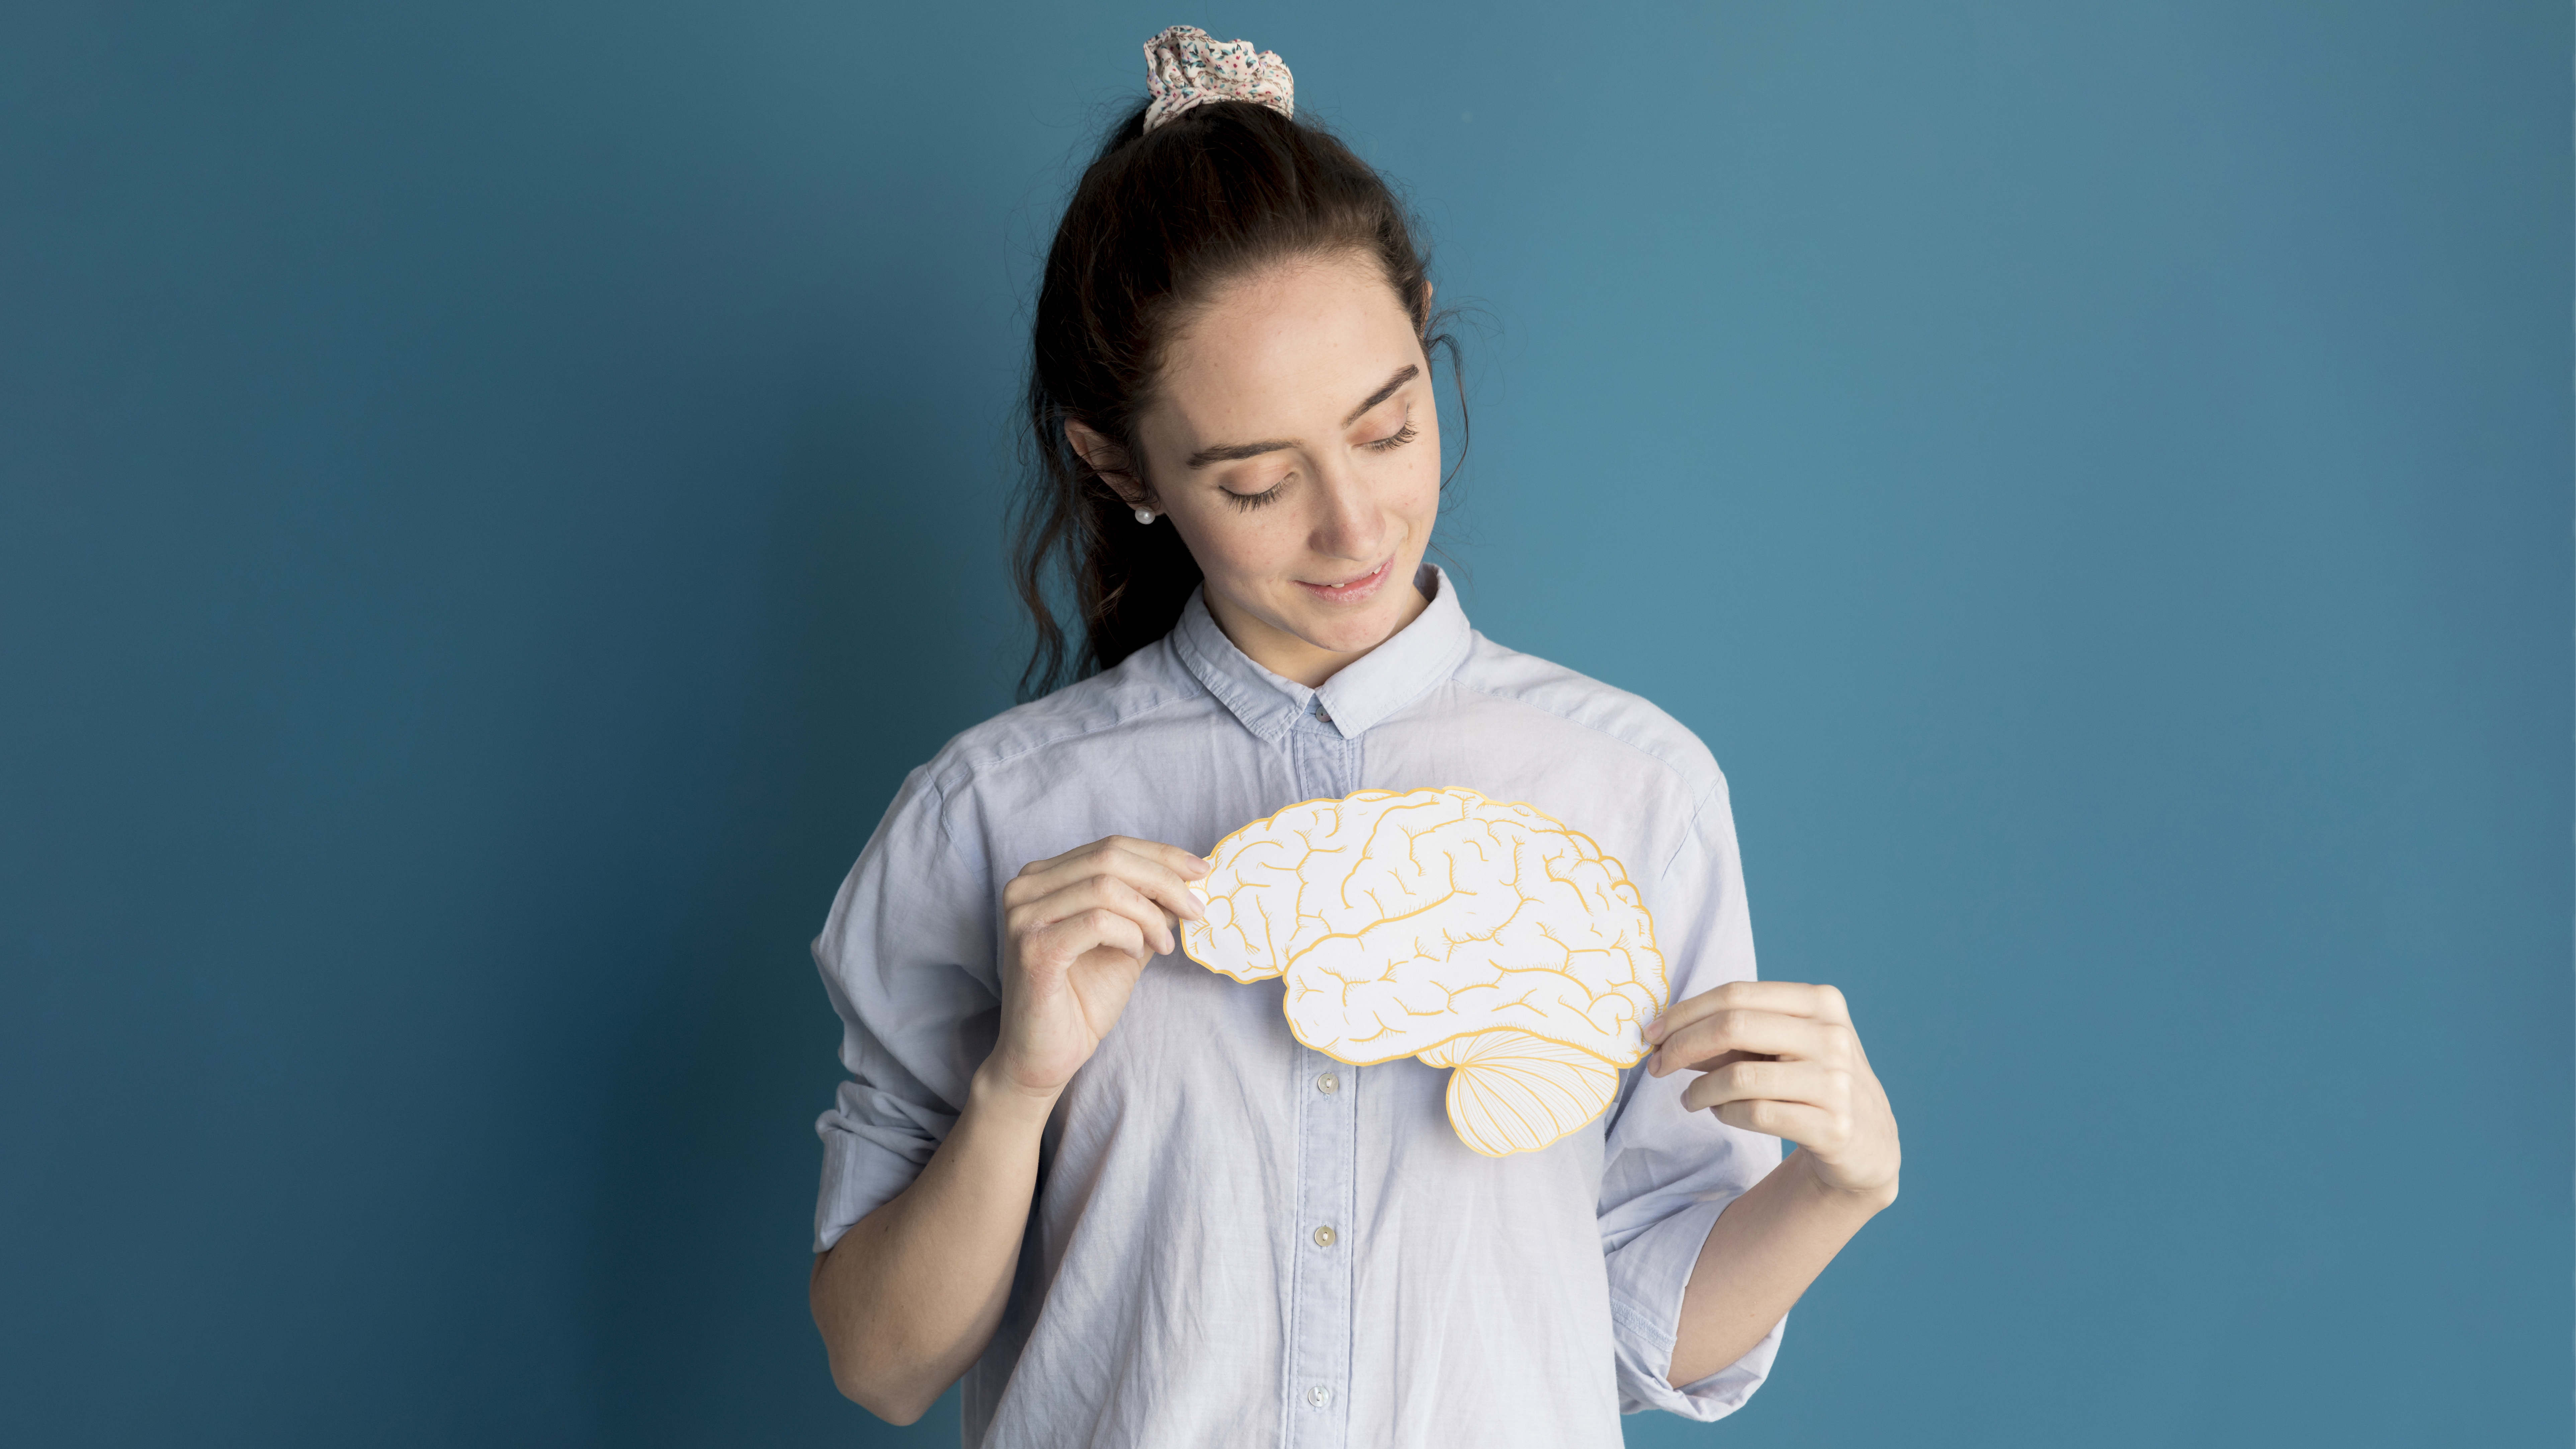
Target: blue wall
493	498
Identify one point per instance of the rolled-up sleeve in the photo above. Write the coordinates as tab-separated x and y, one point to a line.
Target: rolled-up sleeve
907	957
1669	1172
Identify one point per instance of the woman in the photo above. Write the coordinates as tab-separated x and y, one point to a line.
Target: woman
1107	1186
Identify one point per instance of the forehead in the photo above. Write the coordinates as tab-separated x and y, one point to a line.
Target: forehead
1311	337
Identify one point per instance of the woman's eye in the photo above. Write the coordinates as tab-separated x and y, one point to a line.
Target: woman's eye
1394	440
1248	501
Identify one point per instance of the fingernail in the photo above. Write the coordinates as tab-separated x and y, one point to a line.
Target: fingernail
1655	1029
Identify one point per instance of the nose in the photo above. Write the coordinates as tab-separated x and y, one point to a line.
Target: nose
1348	524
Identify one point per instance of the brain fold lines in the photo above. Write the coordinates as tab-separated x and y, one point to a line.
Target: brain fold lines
1478	935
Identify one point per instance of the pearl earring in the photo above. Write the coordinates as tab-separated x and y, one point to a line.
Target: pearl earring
1144	515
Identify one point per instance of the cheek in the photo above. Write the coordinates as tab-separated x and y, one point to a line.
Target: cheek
1420	489
1233	545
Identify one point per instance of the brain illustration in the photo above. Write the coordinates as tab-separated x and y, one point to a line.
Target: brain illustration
1478	935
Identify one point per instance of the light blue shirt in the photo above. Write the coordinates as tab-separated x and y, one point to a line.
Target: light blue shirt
1173	1288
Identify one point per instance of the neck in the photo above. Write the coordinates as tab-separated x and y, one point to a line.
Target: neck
1289	656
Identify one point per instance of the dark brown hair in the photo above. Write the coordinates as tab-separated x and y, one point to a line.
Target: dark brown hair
1157	223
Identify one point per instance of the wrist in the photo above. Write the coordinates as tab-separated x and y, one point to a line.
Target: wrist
1829	1186
993	1092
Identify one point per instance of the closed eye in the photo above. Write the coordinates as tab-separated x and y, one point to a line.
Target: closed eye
1249	501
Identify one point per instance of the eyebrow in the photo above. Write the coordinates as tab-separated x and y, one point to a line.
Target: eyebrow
1230	452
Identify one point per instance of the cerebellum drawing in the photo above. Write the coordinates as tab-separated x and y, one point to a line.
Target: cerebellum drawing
1478	935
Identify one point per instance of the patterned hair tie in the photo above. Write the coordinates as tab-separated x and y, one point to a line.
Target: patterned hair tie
1185	67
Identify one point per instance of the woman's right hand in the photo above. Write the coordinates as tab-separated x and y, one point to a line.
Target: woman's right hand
1076	932
913	1291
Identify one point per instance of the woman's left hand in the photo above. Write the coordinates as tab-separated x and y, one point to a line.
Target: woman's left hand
1780	1057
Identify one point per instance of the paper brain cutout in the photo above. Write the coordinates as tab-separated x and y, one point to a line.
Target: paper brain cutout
1478	935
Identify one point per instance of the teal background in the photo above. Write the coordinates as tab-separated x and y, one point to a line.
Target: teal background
494	497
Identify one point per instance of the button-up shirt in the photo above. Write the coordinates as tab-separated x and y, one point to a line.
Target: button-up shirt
1237	1240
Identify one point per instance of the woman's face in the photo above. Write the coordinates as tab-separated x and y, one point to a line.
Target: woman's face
1295	444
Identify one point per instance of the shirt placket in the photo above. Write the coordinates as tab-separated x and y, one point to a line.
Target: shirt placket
1324	765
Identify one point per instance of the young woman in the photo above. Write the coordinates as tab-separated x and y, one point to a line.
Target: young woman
1107	1186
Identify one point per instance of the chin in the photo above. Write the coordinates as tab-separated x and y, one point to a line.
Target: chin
1346	635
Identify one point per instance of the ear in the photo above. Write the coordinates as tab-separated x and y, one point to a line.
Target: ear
1422	309
1106	459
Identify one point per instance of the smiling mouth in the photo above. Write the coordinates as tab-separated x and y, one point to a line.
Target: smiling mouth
1353	590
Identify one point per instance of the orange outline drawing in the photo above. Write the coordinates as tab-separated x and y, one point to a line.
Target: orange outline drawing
1516	953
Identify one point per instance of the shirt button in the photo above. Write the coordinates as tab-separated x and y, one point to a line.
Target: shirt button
1319	1396
1328	1083
1324	1236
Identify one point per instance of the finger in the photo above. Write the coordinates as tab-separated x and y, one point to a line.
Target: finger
1754	1033
1133	860
1812	1000
1817	1086
1171	857
1793	1121
1151	874
1786	998
1099	892
1722	1059
1070	939
1163	890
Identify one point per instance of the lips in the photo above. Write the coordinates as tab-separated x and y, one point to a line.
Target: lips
1354	590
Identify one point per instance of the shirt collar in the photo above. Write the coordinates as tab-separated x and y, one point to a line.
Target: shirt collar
1365	691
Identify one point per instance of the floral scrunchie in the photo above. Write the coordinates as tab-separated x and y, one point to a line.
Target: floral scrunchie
1185	67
